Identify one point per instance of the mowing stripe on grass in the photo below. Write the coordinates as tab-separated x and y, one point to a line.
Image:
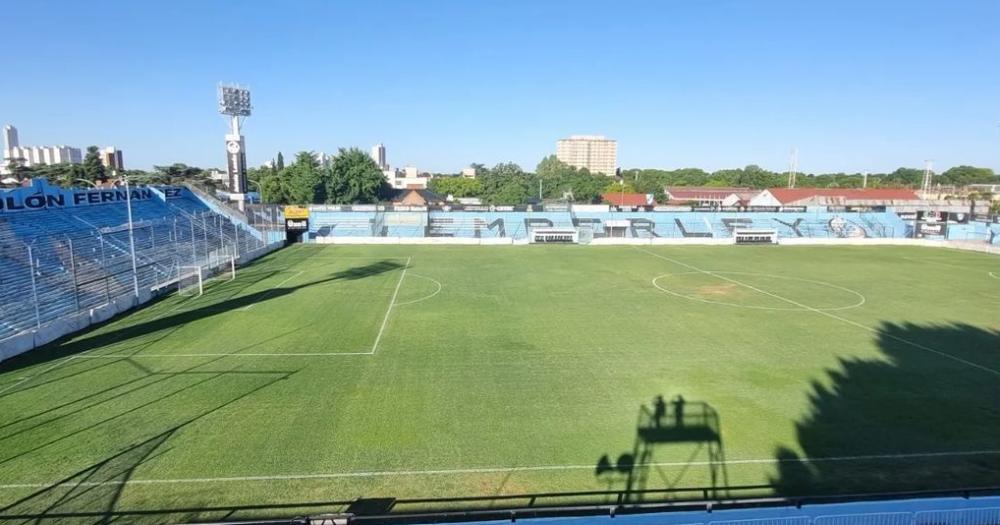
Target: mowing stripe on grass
828	314
273	288
24	380
493	470
995	276
392	303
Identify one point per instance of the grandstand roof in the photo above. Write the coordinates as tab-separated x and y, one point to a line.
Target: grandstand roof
706	192
616	198
416	197
795	195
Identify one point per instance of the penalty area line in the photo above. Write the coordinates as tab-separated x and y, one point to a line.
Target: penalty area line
828	314
491	470
392	302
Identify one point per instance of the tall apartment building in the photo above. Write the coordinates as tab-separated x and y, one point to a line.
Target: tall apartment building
9	138
111	157
378	155
29	156
595	152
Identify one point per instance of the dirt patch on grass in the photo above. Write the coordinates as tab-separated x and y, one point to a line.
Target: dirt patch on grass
717	290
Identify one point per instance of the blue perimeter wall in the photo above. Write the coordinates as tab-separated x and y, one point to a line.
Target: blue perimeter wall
925	511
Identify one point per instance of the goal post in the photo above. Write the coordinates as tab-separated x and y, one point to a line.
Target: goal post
223	266
190	281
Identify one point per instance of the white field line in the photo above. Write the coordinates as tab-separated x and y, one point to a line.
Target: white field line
392	302
830	315
995	276
24	380
489	470
249	306
435	281
299	354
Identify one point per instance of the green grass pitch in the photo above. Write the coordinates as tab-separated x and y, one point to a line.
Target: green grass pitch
322	375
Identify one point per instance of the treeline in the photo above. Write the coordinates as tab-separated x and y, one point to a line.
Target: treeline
651	181
352	177
507	184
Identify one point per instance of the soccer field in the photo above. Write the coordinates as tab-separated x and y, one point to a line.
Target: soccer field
322	375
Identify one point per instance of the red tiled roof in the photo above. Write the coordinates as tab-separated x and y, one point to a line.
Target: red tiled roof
788	195
627	199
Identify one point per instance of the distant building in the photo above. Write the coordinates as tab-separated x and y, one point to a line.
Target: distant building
323	160
469	173
35	155
407	178
416	197
111	157
709	195
378	155
594	152
10	138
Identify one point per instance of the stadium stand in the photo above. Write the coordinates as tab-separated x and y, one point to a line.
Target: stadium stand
517	225
59	261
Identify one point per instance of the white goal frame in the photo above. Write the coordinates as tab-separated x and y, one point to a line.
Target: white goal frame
190	271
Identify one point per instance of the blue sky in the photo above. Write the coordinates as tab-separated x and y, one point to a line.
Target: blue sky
852	85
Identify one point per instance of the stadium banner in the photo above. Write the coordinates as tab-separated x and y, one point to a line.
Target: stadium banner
296	212
40	195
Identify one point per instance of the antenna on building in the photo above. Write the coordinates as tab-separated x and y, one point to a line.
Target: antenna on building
928	174
793	165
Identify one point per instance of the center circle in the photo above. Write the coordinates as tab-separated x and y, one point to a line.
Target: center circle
723	287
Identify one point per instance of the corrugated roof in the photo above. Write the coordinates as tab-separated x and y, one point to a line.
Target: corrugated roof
789	195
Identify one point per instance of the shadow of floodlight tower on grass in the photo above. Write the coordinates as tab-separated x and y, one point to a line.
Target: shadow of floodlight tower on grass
677	432
917	418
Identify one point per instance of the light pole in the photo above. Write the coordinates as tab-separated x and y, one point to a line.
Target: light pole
131	237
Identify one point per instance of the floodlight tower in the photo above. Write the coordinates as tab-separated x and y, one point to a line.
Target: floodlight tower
793	165
234	101
928	174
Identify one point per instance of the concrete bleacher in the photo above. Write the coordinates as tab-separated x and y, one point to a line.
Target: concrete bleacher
63	260
518	225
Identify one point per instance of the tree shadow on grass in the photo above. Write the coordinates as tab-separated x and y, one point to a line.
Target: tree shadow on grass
915	420
79	344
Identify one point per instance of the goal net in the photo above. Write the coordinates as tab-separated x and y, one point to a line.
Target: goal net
190	282
222	266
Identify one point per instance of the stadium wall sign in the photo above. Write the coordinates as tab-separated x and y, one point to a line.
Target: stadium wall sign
42	196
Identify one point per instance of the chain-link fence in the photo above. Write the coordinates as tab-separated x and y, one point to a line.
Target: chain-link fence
51	277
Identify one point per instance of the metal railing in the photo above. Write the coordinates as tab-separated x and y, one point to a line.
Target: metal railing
48	278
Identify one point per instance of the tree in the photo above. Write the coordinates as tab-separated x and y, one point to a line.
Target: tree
269	182
354	178
457	187
93	168
506	183
63	174
303	180
18	169
280	164
964	175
